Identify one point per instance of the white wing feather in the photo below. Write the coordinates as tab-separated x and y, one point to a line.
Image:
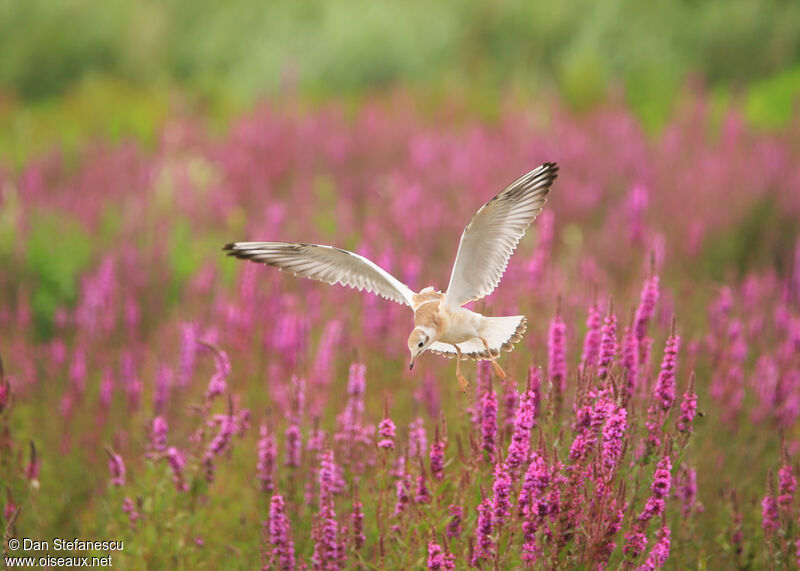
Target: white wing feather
493	233
326	264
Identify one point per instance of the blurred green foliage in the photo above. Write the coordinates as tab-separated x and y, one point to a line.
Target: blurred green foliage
58	251
241	49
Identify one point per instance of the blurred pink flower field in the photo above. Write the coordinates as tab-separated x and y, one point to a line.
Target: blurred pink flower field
215	414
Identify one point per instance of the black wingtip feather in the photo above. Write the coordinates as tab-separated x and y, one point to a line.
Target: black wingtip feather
229	246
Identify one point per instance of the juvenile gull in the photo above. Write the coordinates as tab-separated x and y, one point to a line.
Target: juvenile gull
441	324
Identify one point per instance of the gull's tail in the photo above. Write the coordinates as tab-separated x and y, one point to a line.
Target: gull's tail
501	333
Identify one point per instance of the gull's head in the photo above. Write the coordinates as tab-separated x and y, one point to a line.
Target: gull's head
418	342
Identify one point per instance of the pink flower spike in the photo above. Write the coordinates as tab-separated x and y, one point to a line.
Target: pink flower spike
489	420
501	506
267	451
614	438
116	467
591	342
665	385
524	421
556	352
454	525
608	342
484	543
177	461
688	407
439	559
647	305
158	435
386	429
281	547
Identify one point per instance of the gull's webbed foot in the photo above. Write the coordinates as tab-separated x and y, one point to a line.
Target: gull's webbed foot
497	369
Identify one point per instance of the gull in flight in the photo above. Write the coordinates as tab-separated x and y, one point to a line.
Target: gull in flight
441	324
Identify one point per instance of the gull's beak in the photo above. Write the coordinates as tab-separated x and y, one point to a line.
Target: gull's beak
411	364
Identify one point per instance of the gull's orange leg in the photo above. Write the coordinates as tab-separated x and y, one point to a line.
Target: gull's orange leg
497	369
461	379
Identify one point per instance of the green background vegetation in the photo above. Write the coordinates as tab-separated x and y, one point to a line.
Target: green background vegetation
73	68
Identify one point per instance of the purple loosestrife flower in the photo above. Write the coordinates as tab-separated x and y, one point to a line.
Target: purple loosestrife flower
325	353
501	506
524	420
530	550
608	342
769	508
510	403
77	370
130	380
647	305
659	553
591	342
281	552
158	436
188	354
352	418
535	387
265	466
417	438
294	445
653	423
662	480
116	467
557	353
242	422
5	390
797	543
484	543
106	390
219	380
129	508
636	206
423	495
176	462
316	438
614	438
531	501
326	544
688	407
402	491
489	421
386	430
438	559
533	506
787	483
483	377
630	356
357	521
454	525
219	442
686	489
327	473
437	456
635	543
162	388
665	385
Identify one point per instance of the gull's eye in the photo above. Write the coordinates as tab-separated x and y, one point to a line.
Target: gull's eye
420	344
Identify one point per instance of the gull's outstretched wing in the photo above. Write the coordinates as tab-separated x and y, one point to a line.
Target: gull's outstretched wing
494	232
326	264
